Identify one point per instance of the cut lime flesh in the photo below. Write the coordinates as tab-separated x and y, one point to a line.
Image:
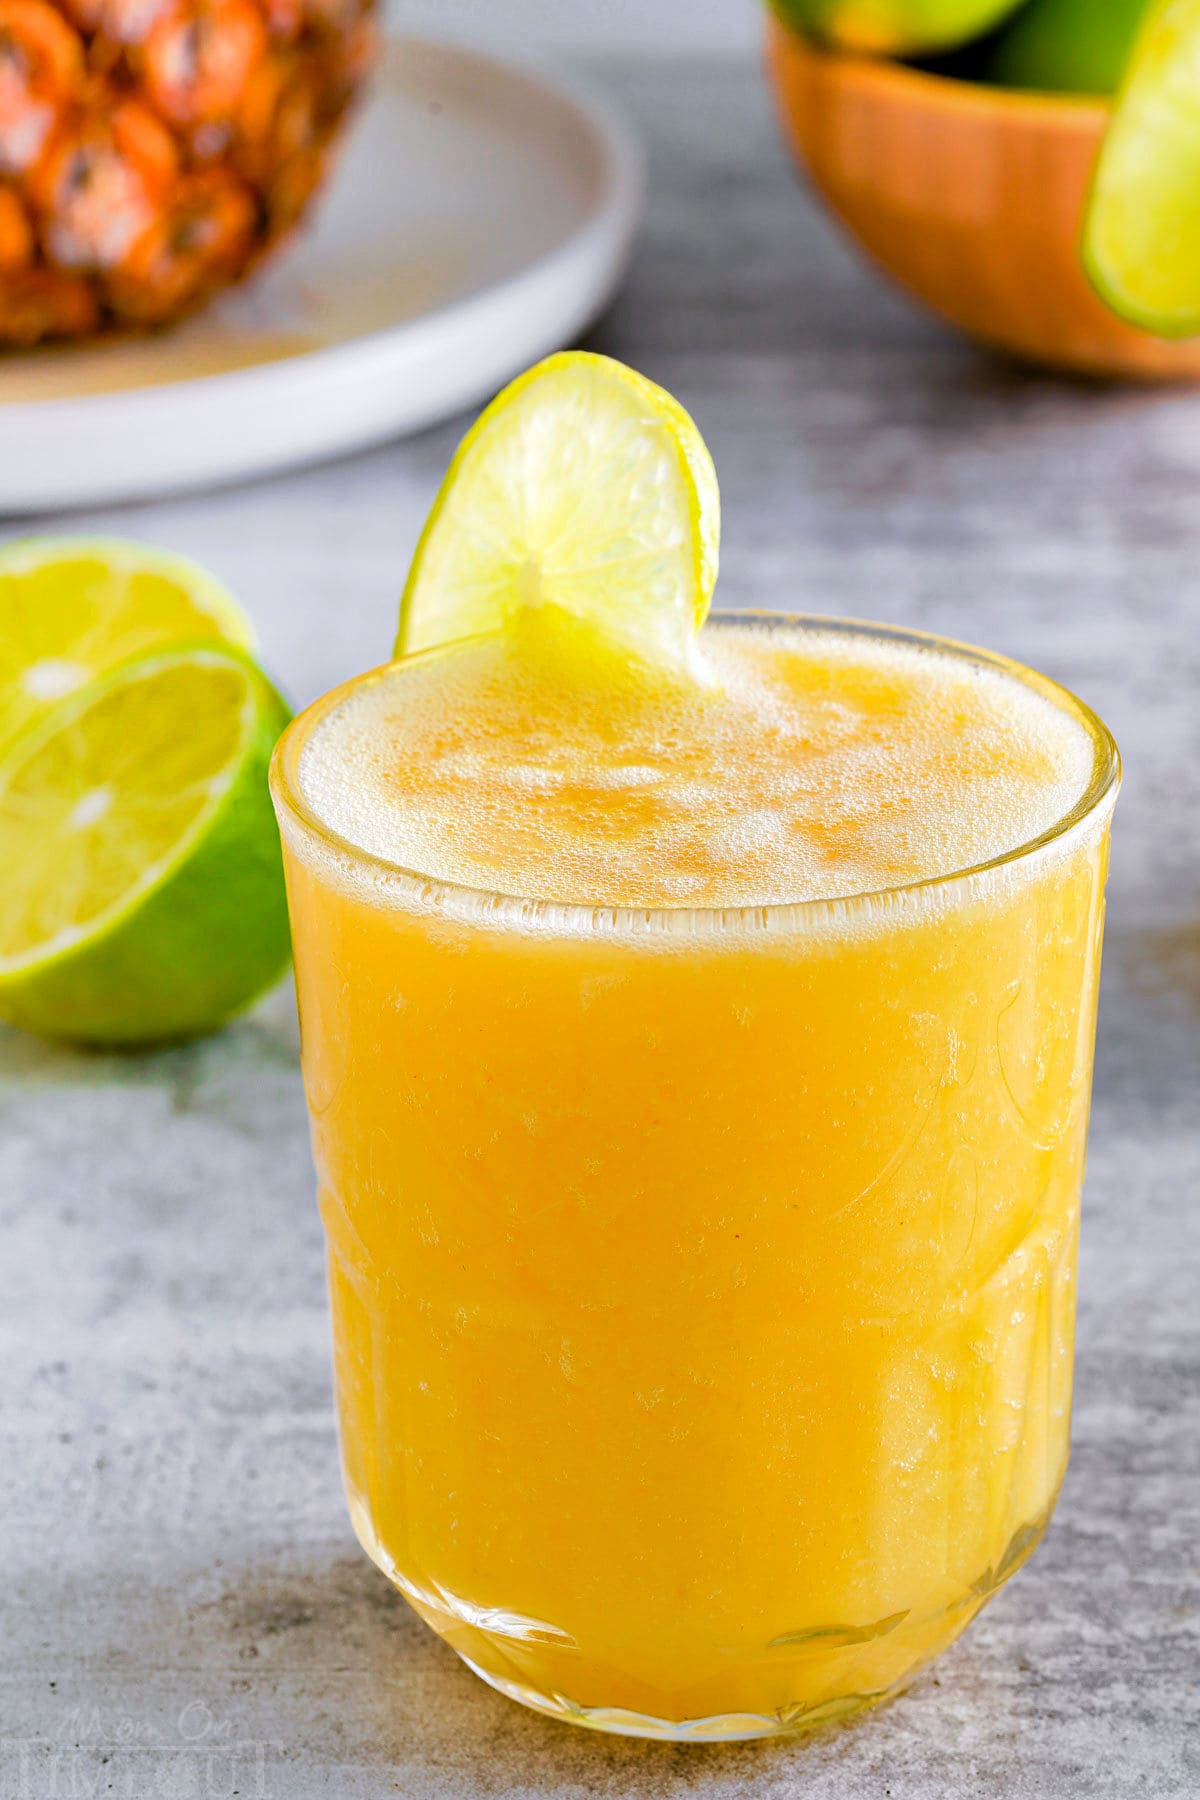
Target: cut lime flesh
1141	239
583	488
71	607
145	899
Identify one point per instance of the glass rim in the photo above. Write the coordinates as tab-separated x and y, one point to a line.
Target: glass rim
435	894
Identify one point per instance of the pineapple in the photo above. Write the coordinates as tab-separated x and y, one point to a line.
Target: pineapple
152	150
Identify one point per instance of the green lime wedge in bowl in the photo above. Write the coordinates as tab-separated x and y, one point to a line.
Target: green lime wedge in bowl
1141	235
143	896
71	607
894	27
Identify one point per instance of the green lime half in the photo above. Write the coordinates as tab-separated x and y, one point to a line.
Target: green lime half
1141	237
894	27
1067	46
143	895
71	607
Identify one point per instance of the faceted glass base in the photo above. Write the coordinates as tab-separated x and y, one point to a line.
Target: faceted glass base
717	1728
805	1679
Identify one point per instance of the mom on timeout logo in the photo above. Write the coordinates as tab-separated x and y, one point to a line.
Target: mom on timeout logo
92	1757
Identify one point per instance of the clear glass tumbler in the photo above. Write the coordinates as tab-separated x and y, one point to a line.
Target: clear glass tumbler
703	1283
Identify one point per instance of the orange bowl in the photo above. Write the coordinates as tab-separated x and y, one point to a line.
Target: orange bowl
970	197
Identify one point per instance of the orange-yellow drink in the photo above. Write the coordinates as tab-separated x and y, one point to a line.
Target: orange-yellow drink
699	1074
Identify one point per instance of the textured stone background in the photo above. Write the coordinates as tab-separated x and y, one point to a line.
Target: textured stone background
184	1611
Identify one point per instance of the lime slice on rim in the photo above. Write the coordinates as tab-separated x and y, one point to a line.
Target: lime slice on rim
71	607
1141	237
143	894
583	488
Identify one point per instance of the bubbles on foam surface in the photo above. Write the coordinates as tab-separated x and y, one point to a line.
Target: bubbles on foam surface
813	765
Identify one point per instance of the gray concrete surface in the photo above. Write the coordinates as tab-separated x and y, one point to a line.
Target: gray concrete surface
617	27
184	1611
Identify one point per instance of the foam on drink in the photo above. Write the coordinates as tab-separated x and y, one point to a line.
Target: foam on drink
809	765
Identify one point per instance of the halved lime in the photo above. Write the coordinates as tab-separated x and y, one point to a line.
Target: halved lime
1066	46
894	27
71	607
1141	237
143	892
583	489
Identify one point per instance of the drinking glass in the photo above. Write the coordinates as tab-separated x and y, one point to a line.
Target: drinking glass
703	1281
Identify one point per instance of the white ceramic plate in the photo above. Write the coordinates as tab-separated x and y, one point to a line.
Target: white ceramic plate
481	216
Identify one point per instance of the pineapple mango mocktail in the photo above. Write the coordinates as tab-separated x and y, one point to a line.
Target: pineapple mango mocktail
702	1217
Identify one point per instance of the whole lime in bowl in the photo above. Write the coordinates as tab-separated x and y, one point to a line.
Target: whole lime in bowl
893	27
1066	46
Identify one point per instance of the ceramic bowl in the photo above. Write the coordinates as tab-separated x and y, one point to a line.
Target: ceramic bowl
970	197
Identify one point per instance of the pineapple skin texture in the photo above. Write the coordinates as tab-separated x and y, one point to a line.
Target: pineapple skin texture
152	151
